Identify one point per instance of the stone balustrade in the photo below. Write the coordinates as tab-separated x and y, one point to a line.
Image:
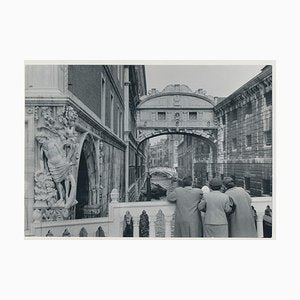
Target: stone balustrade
153	219
91	227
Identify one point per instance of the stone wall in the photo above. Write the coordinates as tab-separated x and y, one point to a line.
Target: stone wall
244	118
84	81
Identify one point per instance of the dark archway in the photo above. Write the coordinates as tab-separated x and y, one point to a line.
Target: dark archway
82	193
200	161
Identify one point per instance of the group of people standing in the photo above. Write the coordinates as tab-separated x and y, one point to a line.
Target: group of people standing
220	210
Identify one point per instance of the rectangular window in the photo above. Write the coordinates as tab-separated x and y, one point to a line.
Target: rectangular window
268	138
266	187
192	115
161	116
234	144
224	145
248	140
234	115
268	97
249	108
111	112
102	104
247	183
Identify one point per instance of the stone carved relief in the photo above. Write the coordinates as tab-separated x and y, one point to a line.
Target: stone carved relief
144	225
55	186
160	227
128	225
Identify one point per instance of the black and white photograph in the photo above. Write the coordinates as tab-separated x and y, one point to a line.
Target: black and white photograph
149	151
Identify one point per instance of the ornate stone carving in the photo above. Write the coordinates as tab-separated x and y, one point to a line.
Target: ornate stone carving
30	110
160	227
144	225
55	187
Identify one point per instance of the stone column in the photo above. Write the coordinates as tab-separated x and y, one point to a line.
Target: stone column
260	231
136	226
168	220
152	226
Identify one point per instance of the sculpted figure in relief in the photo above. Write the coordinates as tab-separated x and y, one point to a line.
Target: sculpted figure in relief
59	167
57	138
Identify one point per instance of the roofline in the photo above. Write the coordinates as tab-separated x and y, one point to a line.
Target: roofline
265	71
157	95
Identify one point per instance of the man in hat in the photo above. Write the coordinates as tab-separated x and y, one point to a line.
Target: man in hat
188	221
216	205
241	221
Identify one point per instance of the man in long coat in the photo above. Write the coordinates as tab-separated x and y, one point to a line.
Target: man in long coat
216	205
241	221
188	221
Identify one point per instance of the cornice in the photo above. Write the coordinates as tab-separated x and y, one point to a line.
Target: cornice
83	112
161	94
253	86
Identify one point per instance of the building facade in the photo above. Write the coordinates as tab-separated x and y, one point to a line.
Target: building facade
245	134
244	140
80	132
195	159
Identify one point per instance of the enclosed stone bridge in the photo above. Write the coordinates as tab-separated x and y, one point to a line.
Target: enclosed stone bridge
177	110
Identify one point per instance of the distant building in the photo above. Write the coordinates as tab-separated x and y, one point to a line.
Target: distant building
245	134
195	159
164	153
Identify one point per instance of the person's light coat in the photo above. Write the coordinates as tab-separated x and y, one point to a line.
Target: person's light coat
188	221
241	221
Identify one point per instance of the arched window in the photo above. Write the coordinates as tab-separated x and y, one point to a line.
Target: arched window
66	233
83	232
100	232
49	233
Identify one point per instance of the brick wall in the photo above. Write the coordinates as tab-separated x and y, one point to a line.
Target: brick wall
84	81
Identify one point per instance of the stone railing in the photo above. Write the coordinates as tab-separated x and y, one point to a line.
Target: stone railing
148	219
91	227
153	219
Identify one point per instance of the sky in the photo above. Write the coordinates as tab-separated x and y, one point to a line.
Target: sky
217	80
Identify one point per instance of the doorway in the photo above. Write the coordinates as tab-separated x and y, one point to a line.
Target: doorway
82	193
